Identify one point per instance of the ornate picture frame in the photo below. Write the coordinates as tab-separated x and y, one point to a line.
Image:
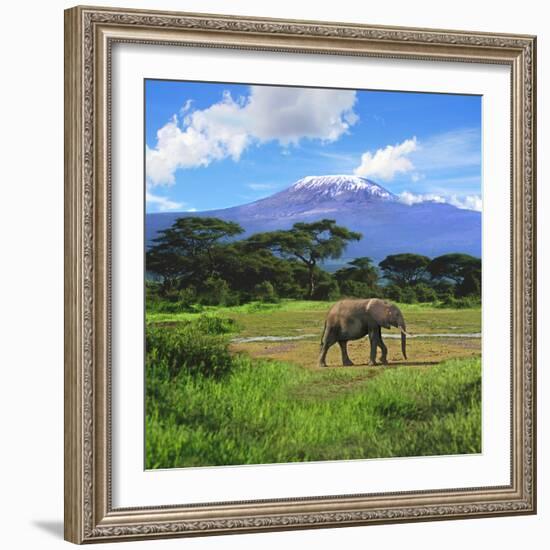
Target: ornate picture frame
90	34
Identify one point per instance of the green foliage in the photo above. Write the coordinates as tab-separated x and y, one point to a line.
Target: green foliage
187	250
171	301
404	269
463	269
326	289
357	289
408	295
443	289
308	243
470	284
265	292
460	303
453	266
359	279
425	293
269	412
196	348
197	263
392	292
215	291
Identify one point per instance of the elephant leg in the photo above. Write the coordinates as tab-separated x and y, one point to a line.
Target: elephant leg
346	361
327	342
383	347
373	339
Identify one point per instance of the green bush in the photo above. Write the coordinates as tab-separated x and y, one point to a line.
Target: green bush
188	348
443	289
215	292
425	293
212	324
326	290
460	303
392	292
265	292
408	295
358	289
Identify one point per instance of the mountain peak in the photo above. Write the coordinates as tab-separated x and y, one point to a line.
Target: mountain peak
338	184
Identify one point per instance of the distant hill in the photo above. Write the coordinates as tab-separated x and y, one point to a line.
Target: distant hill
388	225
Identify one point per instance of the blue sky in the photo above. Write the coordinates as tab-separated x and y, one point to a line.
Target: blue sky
211	145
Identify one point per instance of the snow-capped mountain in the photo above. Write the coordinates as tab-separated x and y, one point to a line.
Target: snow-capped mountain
388	226
334	186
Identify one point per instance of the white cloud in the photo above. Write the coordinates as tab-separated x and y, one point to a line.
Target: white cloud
455	149
227	128
466	202
162	203
387	162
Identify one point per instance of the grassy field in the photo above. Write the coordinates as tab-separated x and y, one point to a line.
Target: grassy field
215	397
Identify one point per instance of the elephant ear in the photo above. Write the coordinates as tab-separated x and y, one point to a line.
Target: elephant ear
394	315
381	313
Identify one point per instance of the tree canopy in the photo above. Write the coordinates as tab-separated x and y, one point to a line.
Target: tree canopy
187	249
309	243
203	260
454	267
404	269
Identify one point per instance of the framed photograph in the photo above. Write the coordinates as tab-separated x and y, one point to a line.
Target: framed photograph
300	274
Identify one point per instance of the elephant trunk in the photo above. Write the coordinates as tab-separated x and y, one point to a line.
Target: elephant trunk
403	329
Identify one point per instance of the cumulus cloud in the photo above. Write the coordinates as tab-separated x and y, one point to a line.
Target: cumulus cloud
466	202
162	203
388	161
227	128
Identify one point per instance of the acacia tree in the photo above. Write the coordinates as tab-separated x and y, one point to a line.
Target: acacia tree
463	269
361	270
310	243
188	249
404	269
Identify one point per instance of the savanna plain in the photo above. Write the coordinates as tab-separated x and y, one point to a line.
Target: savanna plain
241	385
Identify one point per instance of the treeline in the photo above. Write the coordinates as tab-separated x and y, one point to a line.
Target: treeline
198	260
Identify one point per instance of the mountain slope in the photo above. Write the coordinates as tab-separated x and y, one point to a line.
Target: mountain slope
388	226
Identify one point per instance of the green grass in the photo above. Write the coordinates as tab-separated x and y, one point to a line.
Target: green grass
290	317
268	412
206	406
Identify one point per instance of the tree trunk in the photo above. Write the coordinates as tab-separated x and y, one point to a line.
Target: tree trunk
311	281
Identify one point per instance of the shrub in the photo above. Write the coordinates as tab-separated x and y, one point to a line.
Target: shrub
188	348
216	292
392	292
358	289
265	292
211	324
444	289
460	303
408	295
425	293
326	290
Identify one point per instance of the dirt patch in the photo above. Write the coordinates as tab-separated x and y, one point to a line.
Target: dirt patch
421	352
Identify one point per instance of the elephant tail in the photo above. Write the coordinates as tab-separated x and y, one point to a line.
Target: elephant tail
323	334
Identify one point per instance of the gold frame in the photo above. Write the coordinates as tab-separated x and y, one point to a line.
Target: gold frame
89	35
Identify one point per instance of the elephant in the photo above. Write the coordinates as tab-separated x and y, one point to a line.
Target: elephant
352	319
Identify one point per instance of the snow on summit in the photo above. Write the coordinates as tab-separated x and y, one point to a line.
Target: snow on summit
334	185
